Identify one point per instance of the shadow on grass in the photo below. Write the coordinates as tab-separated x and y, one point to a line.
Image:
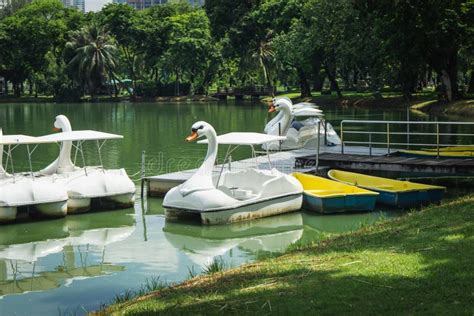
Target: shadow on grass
420	263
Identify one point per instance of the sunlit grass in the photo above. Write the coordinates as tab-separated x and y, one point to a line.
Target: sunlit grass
421	262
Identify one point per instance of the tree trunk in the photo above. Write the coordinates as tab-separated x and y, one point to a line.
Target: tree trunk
16	89
447	85
470	88
355	77
446	66
177	84
332	78
304	85
318	82
30	87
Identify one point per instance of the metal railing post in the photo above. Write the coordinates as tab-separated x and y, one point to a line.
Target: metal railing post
325	132
279	134
317	149
370	144
143	174
388	138
342	137
437	140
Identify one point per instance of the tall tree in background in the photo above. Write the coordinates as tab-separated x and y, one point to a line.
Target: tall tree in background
96	56
27	36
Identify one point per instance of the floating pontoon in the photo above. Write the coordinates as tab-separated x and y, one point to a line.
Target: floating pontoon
111	188
42	196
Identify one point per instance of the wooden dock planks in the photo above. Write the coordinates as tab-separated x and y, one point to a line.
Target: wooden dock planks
393	163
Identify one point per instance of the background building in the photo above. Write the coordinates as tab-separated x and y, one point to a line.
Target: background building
80	4
143	4
3	3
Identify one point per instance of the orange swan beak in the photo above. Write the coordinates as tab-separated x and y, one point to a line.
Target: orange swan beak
194	135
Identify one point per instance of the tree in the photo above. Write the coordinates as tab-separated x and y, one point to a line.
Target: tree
191	51
433	30
122	21
95	57
26	36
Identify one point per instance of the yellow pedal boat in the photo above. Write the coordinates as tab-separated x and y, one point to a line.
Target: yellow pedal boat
328	196
434	153
392	192
452	148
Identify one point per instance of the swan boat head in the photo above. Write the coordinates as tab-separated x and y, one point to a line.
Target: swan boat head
283	105
63	163
201	129
202	179
62	124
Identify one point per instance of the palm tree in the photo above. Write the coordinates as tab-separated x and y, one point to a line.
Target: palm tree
261	56
95	57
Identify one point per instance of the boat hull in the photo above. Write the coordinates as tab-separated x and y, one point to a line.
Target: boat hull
49	210
410	198
339	204
270	207
393	193
7	214
435	154
78	205
98	189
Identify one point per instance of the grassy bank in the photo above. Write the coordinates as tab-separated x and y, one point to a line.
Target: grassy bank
463	108
422	262
360	99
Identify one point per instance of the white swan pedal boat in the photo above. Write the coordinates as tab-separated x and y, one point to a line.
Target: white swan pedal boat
41	196
87	186
299	133
232	196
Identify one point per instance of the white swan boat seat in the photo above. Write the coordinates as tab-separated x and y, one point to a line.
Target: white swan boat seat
232	196
42	196
299	133
87	186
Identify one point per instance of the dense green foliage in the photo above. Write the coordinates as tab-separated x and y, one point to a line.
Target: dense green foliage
328	45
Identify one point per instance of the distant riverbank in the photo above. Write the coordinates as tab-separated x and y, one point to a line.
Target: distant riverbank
424	102
45	99
421	262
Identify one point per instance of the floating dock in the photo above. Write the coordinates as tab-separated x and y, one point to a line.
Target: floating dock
439	166
284	161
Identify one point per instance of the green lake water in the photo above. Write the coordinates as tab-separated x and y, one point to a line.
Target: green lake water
74	265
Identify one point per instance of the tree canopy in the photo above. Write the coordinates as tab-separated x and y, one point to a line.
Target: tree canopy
329	45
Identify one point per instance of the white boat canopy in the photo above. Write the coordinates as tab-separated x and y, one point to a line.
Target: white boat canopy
245	138
237	139
57	137
17	140
12	141
77	136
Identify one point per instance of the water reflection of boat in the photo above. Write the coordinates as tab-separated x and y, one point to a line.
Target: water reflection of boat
48	280
338	223
203	243
22	268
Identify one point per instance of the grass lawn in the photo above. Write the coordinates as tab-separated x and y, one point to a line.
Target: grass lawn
419	263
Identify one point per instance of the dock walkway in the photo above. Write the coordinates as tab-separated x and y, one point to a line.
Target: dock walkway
443	166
